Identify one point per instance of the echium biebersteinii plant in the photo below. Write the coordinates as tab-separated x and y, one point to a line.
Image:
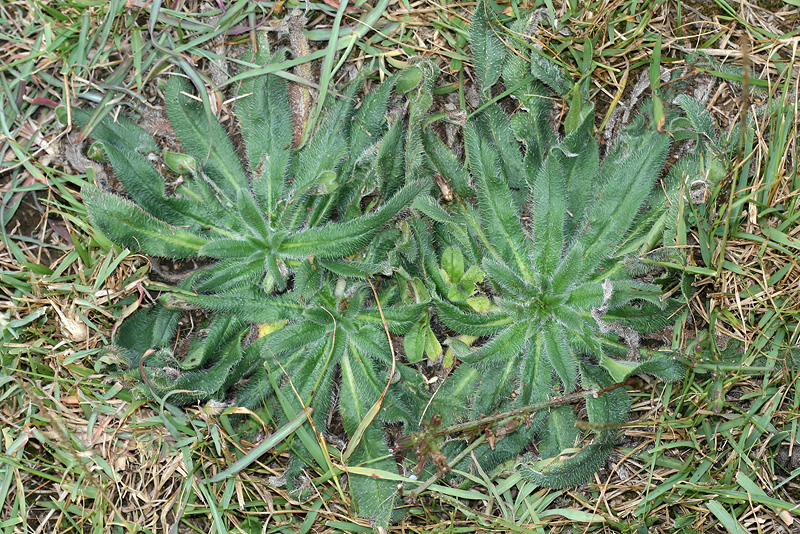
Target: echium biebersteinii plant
528	262
290	237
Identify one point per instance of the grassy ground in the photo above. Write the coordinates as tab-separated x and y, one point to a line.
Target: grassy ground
717	452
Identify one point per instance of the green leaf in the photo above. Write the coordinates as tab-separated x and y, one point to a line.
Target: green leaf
251	215
731	524
146	187
505	280
562	358
550	201
572	471
414	343
495	128
471	323
420	101
203	139
399	319
326	183
256	452
229	274
265	118
538	372
148	328
488	50
429	207
664	368
480	304
369	121
561	432
249	304
120	132
496	205
446	163
375	497
228	248
180	163
353	269
700	119
223	330
472	277
433	349
453	264
627	177
195	385
326	149
125	223
549	73
409	78
502	347
343	239
126	145
579	156
610	407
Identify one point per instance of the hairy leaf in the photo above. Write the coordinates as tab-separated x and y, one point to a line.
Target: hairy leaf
343	239
488	50
265	118
127	224
204	139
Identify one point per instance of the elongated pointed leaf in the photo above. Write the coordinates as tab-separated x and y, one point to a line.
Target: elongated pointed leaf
574	470
494	126
399	319
228	248
504	346
471	323
227	275
251	214
560	432
421	100
663	367
579	156
126	146
506	280
549	73
495	387
148	328
375	497
125	223
256	452
146	187
249	304
610	407
355	269
326	149
496	205
264	114
448	165
343	239
195	385
369	120
221	332
488	51
627	178
428	206
701	120
562	357
538	372
203	139
121	133
550	210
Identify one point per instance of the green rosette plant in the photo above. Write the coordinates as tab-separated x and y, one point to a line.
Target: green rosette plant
529	261
287	239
